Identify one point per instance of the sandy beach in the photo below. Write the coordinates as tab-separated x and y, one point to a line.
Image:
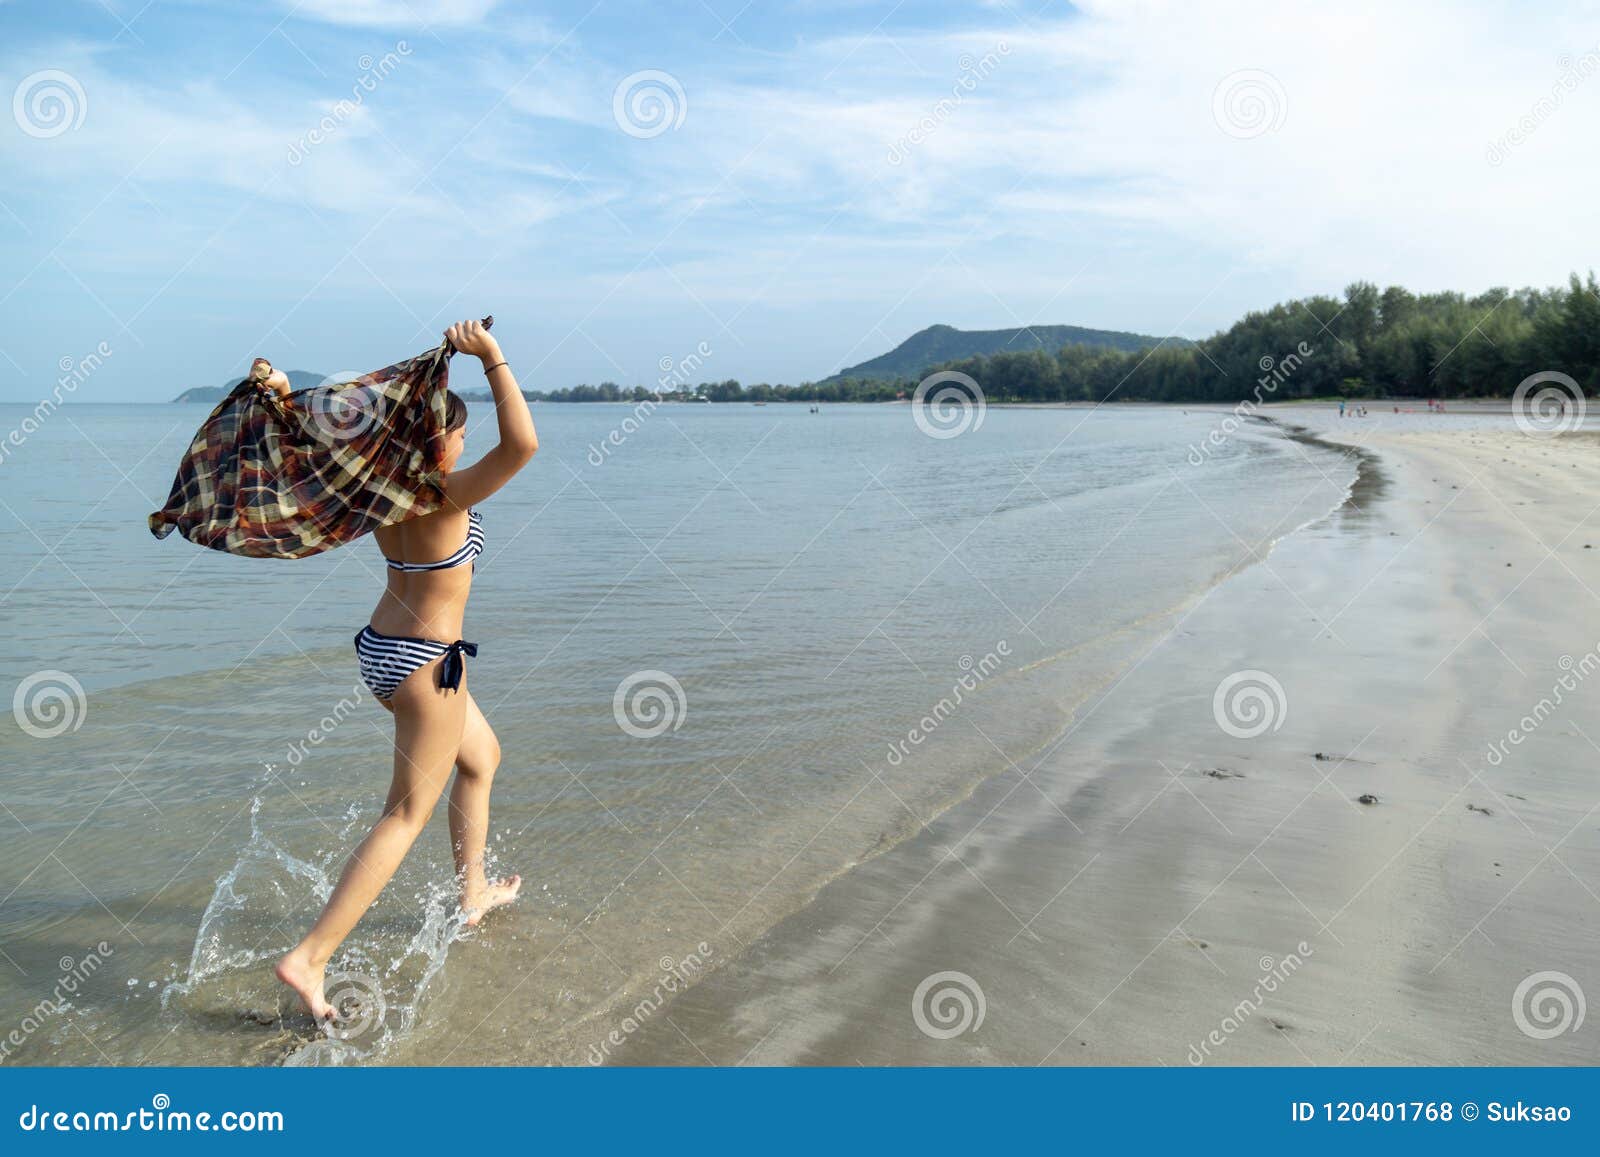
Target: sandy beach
1052	542
1156	889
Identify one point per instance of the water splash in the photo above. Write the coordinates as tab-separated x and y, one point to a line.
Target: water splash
217	947
256	913
399	977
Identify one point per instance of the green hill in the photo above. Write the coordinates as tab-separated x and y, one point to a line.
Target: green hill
211	395
944	343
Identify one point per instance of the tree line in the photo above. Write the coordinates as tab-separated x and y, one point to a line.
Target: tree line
1368	343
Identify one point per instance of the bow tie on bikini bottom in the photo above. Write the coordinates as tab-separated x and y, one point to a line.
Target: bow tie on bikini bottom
453	667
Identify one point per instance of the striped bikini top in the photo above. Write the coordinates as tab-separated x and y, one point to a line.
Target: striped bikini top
469	552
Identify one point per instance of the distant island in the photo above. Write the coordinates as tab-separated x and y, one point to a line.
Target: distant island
1365	343
211	395
939	344
883	378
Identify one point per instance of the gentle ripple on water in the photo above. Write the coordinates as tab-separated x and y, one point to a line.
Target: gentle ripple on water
814	583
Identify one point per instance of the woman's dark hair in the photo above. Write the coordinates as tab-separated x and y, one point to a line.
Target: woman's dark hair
455	412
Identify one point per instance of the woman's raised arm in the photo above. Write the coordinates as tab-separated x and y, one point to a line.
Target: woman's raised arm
518	439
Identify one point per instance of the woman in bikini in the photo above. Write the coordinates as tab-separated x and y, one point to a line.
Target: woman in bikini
413	658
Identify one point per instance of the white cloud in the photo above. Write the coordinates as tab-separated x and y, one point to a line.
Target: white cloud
1378	168
199	136
392	13
1083	179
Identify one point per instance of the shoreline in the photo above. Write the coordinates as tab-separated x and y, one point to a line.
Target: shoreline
1119	900
1458	405
1077	786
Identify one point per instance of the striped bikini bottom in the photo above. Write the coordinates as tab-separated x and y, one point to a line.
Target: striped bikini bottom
386	660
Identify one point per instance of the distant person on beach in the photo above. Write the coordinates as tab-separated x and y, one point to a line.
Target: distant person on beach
411	657
1341	409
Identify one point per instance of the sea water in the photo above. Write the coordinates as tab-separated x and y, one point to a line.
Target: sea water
730	651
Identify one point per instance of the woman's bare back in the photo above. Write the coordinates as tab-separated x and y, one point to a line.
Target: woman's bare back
427	604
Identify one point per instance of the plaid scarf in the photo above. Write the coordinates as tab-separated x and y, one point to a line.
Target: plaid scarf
285	477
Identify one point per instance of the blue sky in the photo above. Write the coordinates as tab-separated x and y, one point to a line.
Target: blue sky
181	182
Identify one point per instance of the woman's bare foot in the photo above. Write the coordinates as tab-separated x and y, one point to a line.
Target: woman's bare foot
297	971
491	894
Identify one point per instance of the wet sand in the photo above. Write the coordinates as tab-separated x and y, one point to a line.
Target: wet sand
1156	890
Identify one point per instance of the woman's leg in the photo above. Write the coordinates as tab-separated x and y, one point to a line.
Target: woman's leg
428	724
469	818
